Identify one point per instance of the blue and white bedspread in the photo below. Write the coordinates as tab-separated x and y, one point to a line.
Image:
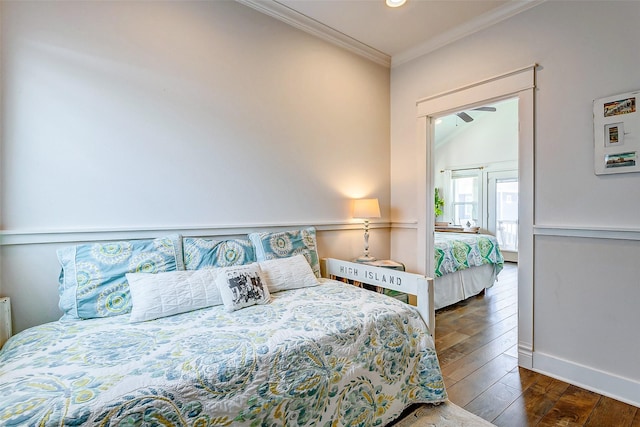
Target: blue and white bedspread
458	251
327	355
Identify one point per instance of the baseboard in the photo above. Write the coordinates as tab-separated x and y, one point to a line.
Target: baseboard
607	384
525	356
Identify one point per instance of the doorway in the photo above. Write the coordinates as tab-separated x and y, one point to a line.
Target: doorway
518	84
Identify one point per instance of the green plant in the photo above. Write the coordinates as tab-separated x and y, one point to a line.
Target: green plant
438	203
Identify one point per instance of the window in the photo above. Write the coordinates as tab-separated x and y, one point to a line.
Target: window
465	191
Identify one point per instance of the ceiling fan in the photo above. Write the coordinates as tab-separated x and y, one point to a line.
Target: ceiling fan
467	118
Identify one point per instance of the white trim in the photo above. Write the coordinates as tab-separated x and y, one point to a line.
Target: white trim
525	356
405	224
425	186
309	25
615	233
605	383
32	237
483	21
526	215
519	83
484	91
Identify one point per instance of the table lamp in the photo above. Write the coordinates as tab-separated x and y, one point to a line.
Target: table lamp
366	209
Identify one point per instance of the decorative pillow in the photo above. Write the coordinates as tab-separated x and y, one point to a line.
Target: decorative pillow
204	253
242	286
288	273
92	279
174	292
286	244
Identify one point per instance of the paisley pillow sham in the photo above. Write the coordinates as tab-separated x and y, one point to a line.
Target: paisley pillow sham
92	280
206	253
285	244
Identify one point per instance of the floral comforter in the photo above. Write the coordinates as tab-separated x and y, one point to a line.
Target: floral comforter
458	251
328	355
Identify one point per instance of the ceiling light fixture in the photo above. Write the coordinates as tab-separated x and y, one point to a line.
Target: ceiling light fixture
395	3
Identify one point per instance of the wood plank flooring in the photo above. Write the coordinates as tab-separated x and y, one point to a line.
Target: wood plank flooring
476	342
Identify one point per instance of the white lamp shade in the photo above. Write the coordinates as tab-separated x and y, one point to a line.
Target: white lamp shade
366	208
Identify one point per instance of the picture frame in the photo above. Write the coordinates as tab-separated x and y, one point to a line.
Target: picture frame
614	134
621	160
621	106
616	130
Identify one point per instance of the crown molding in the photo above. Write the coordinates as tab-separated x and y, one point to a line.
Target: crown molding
480	23
302	22
298	20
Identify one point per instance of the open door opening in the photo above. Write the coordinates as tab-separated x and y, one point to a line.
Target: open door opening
518	84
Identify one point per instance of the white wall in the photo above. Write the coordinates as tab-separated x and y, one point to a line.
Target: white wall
580	59
140	118
492	137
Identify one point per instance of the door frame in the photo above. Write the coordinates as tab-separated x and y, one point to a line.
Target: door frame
519	84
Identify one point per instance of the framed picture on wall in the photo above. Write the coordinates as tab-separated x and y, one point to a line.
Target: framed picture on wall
616	132
620	160
621	106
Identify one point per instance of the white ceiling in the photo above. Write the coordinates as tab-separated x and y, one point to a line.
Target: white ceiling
391	35
451	126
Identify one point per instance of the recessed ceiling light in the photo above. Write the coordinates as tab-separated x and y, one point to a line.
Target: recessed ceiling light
395	3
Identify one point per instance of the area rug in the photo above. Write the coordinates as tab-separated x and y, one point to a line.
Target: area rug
444	415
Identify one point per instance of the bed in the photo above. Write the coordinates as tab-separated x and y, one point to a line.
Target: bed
314	352
465	265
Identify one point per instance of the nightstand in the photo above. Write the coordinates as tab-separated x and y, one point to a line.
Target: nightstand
386	263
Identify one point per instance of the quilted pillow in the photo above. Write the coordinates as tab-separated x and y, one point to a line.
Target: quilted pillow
242	286
165	294
288	273
286	244
205	253
92	279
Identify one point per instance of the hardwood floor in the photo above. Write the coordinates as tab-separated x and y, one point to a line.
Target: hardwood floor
476	342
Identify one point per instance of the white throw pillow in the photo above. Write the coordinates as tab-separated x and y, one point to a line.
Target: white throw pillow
242	286
165	294
288	273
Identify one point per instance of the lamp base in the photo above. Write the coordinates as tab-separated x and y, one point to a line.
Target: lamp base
365	258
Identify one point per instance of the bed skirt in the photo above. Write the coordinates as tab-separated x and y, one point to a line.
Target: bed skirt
459	285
